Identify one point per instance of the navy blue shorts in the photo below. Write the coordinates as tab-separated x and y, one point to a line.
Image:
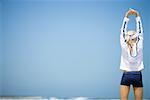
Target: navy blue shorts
132	78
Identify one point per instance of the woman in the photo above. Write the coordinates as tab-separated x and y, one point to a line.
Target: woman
131	57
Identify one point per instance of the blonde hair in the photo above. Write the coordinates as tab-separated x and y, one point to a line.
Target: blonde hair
131	32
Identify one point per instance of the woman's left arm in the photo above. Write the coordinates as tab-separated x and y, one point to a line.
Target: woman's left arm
139	30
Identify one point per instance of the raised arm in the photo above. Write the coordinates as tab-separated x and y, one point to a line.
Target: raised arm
139	30
123	38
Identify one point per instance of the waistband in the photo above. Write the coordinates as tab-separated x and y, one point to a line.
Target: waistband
132	72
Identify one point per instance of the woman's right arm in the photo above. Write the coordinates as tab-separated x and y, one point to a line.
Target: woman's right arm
123	38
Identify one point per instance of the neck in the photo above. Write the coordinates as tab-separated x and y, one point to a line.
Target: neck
133	50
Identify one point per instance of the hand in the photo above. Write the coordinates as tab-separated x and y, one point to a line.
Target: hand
132	12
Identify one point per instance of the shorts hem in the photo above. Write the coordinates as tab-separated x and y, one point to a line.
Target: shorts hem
125	84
